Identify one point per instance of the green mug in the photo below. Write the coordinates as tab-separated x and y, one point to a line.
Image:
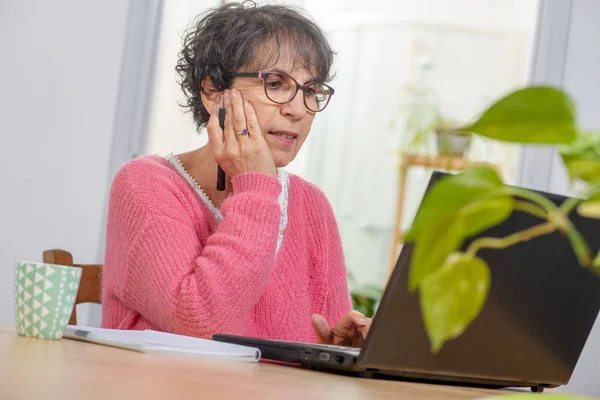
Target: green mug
44	296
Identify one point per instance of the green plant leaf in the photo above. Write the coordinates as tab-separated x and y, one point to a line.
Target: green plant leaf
480	215
432	248
450	194
541	115
456	208
590	209
586	145
582	156
586	170
596	262
453	296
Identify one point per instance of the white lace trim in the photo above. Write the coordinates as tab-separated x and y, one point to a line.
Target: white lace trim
283	199
174	160
284	178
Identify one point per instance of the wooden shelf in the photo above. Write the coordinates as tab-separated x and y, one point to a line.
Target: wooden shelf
442	163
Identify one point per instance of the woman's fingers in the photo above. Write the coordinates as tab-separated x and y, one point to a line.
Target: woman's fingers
231	144
364	330
215	133
239	154
252	121
322	329
351	321
348	331
239	116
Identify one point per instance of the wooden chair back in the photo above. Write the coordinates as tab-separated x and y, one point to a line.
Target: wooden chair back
90	286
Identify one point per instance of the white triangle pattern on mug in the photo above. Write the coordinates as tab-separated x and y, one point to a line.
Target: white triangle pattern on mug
34	317
27	309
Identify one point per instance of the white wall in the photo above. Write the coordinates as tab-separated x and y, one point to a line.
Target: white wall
581	76
582	80
171	128
59	77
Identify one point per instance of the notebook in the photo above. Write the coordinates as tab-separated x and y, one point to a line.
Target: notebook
149	341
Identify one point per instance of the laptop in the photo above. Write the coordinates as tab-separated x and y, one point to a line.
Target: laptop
531	331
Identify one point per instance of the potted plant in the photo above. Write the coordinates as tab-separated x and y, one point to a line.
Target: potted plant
460	206
451	141
424	118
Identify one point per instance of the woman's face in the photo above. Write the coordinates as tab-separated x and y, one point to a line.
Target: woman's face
284	126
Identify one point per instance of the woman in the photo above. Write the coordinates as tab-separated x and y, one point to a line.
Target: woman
262	258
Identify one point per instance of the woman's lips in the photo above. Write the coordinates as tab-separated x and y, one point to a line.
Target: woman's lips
285	137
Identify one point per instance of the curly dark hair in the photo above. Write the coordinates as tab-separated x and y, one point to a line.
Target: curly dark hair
225	40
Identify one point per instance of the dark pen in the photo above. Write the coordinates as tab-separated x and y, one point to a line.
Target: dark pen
220	173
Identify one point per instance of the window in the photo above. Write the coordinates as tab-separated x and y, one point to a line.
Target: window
465	52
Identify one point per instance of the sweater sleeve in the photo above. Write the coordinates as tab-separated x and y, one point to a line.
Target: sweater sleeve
336	297
176	284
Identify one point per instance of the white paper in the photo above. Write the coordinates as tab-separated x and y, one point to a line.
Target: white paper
161	342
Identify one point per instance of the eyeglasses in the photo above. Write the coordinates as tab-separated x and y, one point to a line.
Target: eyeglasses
281	88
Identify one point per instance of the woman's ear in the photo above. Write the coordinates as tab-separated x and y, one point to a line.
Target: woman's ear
210	97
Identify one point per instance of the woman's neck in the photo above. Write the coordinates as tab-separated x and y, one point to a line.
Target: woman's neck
201	166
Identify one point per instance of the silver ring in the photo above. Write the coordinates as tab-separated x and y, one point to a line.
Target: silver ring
242	133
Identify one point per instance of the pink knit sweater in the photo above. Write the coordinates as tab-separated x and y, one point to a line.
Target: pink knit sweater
171	266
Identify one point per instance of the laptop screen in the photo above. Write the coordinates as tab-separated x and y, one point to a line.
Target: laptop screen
540	310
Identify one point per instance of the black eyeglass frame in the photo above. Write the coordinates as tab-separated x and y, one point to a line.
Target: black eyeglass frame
264	75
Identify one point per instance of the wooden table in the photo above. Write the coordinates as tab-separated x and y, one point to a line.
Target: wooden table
66	369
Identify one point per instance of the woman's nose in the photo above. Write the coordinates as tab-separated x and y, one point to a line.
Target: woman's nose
296	107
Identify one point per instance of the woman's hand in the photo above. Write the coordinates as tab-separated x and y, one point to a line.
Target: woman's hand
351	330
237	154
